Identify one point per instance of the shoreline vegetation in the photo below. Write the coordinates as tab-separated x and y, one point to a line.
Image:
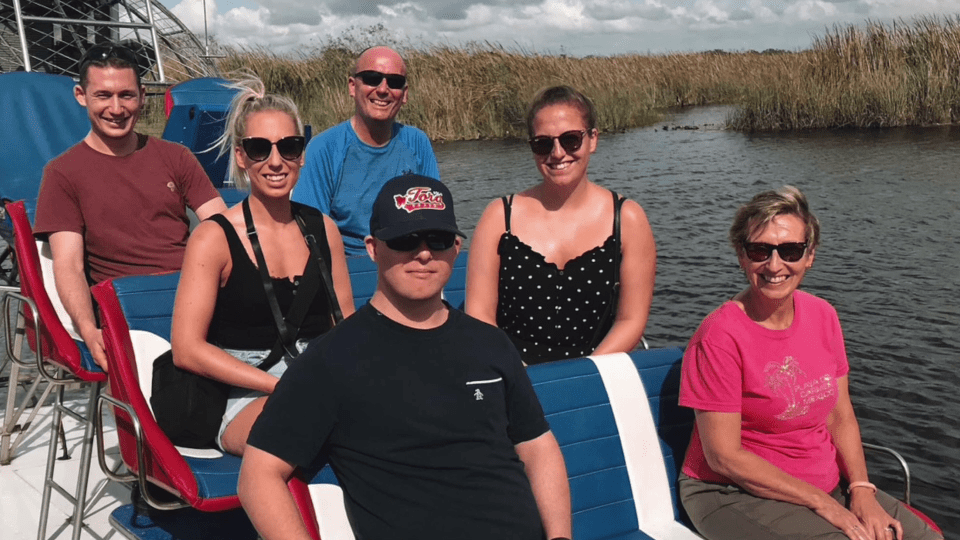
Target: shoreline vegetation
871	76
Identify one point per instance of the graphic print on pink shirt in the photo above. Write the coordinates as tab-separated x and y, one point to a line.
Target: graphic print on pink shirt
783	383
783	378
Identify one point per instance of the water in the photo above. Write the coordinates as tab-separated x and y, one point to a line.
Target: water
889	205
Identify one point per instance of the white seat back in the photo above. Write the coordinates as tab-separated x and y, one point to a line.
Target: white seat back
46	270
331	512
641	448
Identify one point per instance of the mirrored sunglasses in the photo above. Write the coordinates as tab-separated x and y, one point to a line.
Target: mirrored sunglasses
106	51
259	149
789	251
435	240
374	78
570	141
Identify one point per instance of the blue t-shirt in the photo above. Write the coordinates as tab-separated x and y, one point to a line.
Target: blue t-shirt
342	175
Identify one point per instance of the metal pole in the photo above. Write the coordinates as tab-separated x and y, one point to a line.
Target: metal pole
206	42
156	42
23	35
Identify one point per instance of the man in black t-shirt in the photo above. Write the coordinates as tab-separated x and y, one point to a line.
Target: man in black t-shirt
425	414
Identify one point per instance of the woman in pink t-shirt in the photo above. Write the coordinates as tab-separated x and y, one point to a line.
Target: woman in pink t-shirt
776	450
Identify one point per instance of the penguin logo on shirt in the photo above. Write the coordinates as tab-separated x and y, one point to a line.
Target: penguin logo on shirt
477	394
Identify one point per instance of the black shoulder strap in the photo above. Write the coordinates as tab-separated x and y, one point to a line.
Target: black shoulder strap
617	204
327	279
233	241
507	204
285	342
606	321
307	290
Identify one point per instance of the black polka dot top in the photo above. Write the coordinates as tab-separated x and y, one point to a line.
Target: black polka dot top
552	314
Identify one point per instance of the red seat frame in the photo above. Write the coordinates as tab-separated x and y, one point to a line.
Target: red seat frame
60	360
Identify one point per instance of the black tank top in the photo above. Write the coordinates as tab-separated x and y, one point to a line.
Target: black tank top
242	317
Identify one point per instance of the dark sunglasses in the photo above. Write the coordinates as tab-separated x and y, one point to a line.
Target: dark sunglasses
570	141
258	148
374	78
789	251
436	241
106	51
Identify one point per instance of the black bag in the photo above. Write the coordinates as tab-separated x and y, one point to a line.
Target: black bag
188	407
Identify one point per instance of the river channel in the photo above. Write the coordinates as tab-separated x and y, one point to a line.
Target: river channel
889	205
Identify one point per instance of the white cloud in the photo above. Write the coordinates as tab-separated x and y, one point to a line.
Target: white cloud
811	10
573	26
190	13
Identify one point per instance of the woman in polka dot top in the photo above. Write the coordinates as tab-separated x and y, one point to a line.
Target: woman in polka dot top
543	262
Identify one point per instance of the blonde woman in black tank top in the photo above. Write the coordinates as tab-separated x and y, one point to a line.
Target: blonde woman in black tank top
264	137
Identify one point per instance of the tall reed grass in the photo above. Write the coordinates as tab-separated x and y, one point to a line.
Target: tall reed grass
879	75
481	90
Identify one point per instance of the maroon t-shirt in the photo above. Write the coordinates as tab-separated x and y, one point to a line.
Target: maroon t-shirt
130	210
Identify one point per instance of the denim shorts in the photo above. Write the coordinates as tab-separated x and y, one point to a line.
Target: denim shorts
239	398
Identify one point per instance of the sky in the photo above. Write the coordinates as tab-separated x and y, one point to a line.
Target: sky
575	27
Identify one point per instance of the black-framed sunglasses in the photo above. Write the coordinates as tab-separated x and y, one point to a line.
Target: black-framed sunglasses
374	78
106	51
760	252
436	241
570	141
258	148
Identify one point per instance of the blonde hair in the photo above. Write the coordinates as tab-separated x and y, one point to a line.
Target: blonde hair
251	98
765	206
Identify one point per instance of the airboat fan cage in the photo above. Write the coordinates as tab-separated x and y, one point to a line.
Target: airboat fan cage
52	35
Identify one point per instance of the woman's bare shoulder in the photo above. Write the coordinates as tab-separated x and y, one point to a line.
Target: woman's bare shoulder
207	231
632	213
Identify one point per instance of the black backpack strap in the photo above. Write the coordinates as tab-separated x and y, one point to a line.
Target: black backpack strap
326	281
286	342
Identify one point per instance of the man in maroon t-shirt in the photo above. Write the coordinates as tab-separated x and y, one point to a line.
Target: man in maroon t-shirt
115	203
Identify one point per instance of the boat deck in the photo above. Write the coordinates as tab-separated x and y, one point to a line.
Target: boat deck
21	481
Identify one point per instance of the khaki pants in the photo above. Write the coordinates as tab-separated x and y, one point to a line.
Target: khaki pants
727	512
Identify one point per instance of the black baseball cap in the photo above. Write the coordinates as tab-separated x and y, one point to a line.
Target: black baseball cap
411	203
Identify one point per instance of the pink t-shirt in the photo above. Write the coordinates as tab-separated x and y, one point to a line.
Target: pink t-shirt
782	382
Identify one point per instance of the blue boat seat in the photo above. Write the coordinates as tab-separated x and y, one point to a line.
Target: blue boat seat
196	114
610	414
41	120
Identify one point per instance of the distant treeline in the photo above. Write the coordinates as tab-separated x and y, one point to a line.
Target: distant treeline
871	76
